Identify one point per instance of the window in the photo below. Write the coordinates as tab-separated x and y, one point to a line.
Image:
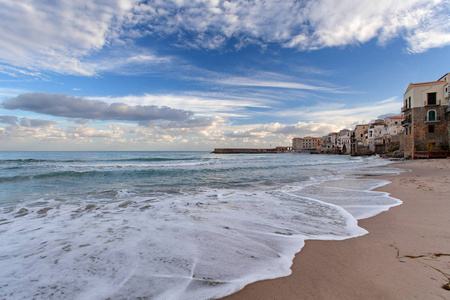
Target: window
430	128
409	102
431	115
431	97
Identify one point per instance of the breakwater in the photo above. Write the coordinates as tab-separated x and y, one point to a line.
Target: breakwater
244	150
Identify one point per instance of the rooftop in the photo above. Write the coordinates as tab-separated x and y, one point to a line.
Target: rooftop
395	117
411	85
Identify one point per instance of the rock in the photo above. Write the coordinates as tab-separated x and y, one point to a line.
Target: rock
44	210
22	212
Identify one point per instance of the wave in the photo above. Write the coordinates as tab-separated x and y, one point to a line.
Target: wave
231	172
151	159
33	160
79	174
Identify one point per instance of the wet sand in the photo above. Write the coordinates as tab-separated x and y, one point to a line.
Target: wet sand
405	255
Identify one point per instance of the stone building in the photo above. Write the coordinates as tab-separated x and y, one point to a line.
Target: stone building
307	144
424	110
361	132
394	130
394	125
297	143
359	141
376	133
329	143
344	141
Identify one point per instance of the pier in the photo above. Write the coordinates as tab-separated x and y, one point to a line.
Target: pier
252	150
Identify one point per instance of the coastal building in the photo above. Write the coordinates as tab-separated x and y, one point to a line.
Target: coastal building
307	144
394	130
297	144
283	149
425	114
361	132
329	143
394	125
344	141
359	140
376	133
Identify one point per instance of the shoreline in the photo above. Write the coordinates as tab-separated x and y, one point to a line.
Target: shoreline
405	255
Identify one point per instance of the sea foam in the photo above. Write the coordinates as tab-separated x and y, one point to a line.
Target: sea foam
197	243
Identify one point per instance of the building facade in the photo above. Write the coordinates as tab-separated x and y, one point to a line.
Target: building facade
310	144
376	133
329	143
344	141
394	125
425	122
361	132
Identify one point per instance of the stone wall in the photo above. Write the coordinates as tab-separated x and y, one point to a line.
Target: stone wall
420	138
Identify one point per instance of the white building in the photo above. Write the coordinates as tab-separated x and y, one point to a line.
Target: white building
377	131
344	141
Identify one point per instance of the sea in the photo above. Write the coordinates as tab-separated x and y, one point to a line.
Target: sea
172	225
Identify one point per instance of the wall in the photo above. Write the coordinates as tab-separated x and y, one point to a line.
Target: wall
422	138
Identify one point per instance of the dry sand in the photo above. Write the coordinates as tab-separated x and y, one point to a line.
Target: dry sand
405	255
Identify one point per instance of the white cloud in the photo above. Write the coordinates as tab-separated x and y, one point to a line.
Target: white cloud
56	36
202	104
282	131
77	132
200	134
67	36
342	115
242	81
306	25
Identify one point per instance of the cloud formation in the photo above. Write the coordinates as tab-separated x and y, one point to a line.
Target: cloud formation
26	122
57	36
305	25
62	105
11	120
67	36
285	131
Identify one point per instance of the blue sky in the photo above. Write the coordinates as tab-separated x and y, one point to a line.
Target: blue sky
198	74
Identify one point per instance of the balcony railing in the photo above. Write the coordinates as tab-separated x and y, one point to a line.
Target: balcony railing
425	103
405	108
406	122
436	120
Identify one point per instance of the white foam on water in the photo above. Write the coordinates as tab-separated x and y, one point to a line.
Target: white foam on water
192	245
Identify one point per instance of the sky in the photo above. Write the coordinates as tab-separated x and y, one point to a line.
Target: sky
183	75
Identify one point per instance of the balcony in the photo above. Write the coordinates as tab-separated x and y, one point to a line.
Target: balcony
425	103
436	120
405	108
406	122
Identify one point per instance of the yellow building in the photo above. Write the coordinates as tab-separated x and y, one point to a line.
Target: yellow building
307	144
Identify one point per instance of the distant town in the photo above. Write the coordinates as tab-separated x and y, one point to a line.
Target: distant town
421	131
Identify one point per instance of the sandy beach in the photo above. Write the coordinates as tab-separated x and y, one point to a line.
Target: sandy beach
405	255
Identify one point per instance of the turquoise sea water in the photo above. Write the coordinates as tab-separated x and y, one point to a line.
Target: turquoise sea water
170	225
